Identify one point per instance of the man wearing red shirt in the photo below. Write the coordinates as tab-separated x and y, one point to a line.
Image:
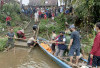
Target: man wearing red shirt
95	51
8	18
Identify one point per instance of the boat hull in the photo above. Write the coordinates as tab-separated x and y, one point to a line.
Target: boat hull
58	61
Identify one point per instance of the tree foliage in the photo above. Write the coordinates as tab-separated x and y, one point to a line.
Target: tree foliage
11	9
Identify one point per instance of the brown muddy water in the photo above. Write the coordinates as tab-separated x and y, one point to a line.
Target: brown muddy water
22	59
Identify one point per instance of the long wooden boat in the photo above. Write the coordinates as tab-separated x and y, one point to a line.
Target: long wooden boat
61	62
58	61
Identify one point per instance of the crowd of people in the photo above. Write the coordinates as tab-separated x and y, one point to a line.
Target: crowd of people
37	13
41	11
44	12
74	48
59	44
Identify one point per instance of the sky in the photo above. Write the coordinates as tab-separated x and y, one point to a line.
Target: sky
25	2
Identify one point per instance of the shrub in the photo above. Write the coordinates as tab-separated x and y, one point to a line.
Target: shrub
11	9
2	43
43	24
48	26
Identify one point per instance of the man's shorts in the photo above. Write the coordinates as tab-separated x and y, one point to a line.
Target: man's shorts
10	43
96	61
74	50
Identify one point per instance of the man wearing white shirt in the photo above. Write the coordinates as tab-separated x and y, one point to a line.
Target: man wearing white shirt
36	16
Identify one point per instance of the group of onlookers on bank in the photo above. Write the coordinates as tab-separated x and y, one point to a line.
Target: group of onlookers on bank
37	13
44	12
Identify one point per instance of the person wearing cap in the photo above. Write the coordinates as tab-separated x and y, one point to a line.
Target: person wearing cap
74	45
61	45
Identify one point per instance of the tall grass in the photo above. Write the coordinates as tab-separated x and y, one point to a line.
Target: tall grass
2	43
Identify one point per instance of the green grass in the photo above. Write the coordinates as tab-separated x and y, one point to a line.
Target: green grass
48	25
3	42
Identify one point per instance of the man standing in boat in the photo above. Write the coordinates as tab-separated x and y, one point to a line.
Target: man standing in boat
74	46
61	44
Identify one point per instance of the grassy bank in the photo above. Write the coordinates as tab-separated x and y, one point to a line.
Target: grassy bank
47	26
12	9
2	43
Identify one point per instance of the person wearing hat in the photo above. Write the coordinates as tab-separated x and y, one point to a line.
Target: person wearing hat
61	44
74	45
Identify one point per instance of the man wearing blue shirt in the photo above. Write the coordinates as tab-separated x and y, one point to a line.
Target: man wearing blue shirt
74	46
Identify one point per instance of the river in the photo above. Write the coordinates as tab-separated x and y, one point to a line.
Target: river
23	59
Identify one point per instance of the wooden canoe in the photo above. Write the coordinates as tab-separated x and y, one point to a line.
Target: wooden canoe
61	62
58	61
